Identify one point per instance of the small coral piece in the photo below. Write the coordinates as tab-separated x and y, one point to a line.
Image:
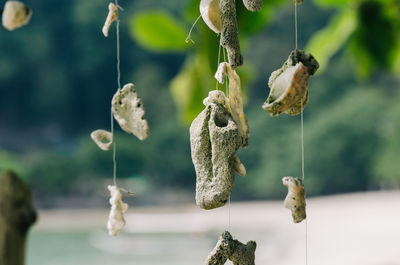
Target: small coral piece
111	17
232	249
15	15
129	111
296	198
235	98
289	84
116	219
103	139
215	139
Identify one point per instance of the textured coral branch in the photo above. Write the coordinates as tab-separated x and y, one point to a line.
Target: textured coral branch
230	34
234	250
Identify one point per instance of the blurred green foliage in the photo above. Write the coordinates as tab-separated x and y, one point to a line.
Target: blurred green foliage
57	80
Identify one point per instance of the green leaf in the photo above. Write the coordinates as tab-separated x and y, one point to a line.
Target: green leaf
333	3
158	31
325	43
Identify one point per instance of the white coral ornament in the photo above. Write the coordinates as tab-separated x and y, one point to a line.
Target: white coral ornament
129	111
111	17
289	84
116	219
296	198
15	15
103	139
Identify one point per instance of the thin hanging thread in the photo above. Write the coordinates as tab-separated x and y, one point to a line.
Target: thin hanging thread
226	77
219	57
302	136
119	87
190	31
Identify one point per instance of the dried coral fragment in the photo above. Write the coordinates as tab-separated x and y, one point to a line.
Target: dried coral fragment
103	139
229	34
111	17
129	111
229	248
210	12
296	198
15	15
116	219
215	139
289	85
235	98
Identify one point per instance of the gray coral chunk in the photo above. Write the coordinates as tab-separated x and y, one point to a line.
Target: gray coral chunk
232	249
215	139
230	34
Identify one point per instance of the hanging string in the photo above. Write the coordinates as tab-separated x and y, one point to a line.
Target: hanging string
219	57
301	135
119	87
188	38
226	77
229	213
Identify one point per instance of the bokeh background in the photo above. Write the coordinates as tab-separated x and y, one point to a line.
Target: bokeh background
57	78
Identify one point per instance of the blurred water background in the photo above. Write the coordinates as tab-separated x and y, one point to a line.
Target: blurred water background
57	78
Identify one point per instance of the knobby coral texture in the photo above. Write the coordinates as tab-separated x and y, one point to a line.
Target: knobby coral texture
232	249
111	17
116	219
289	84
15	15
296	198
215	138
128	110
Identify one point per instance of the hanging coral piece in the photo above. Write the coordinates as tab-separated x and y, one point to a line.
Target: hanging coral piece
220	16
103	139
210	12
116	219
215	138
289	84
296	198
129	111
232	249
111	17
15	15
235	98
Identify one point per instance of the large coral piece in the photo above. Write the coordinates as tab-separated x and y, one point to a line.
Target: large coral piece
232	249
15	15
296	198
129	111
116	219
289	84
215	139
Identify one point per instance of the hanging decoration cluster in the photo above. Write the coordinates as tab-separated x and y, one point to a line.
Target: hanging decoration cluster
128	110
218	132
15	15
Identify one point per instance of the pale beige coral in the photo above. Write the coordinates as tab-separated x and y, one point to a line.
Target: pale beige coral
129	111
210	12
103	139
296	198
235	97
289	84
15	15
116	219
111	17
